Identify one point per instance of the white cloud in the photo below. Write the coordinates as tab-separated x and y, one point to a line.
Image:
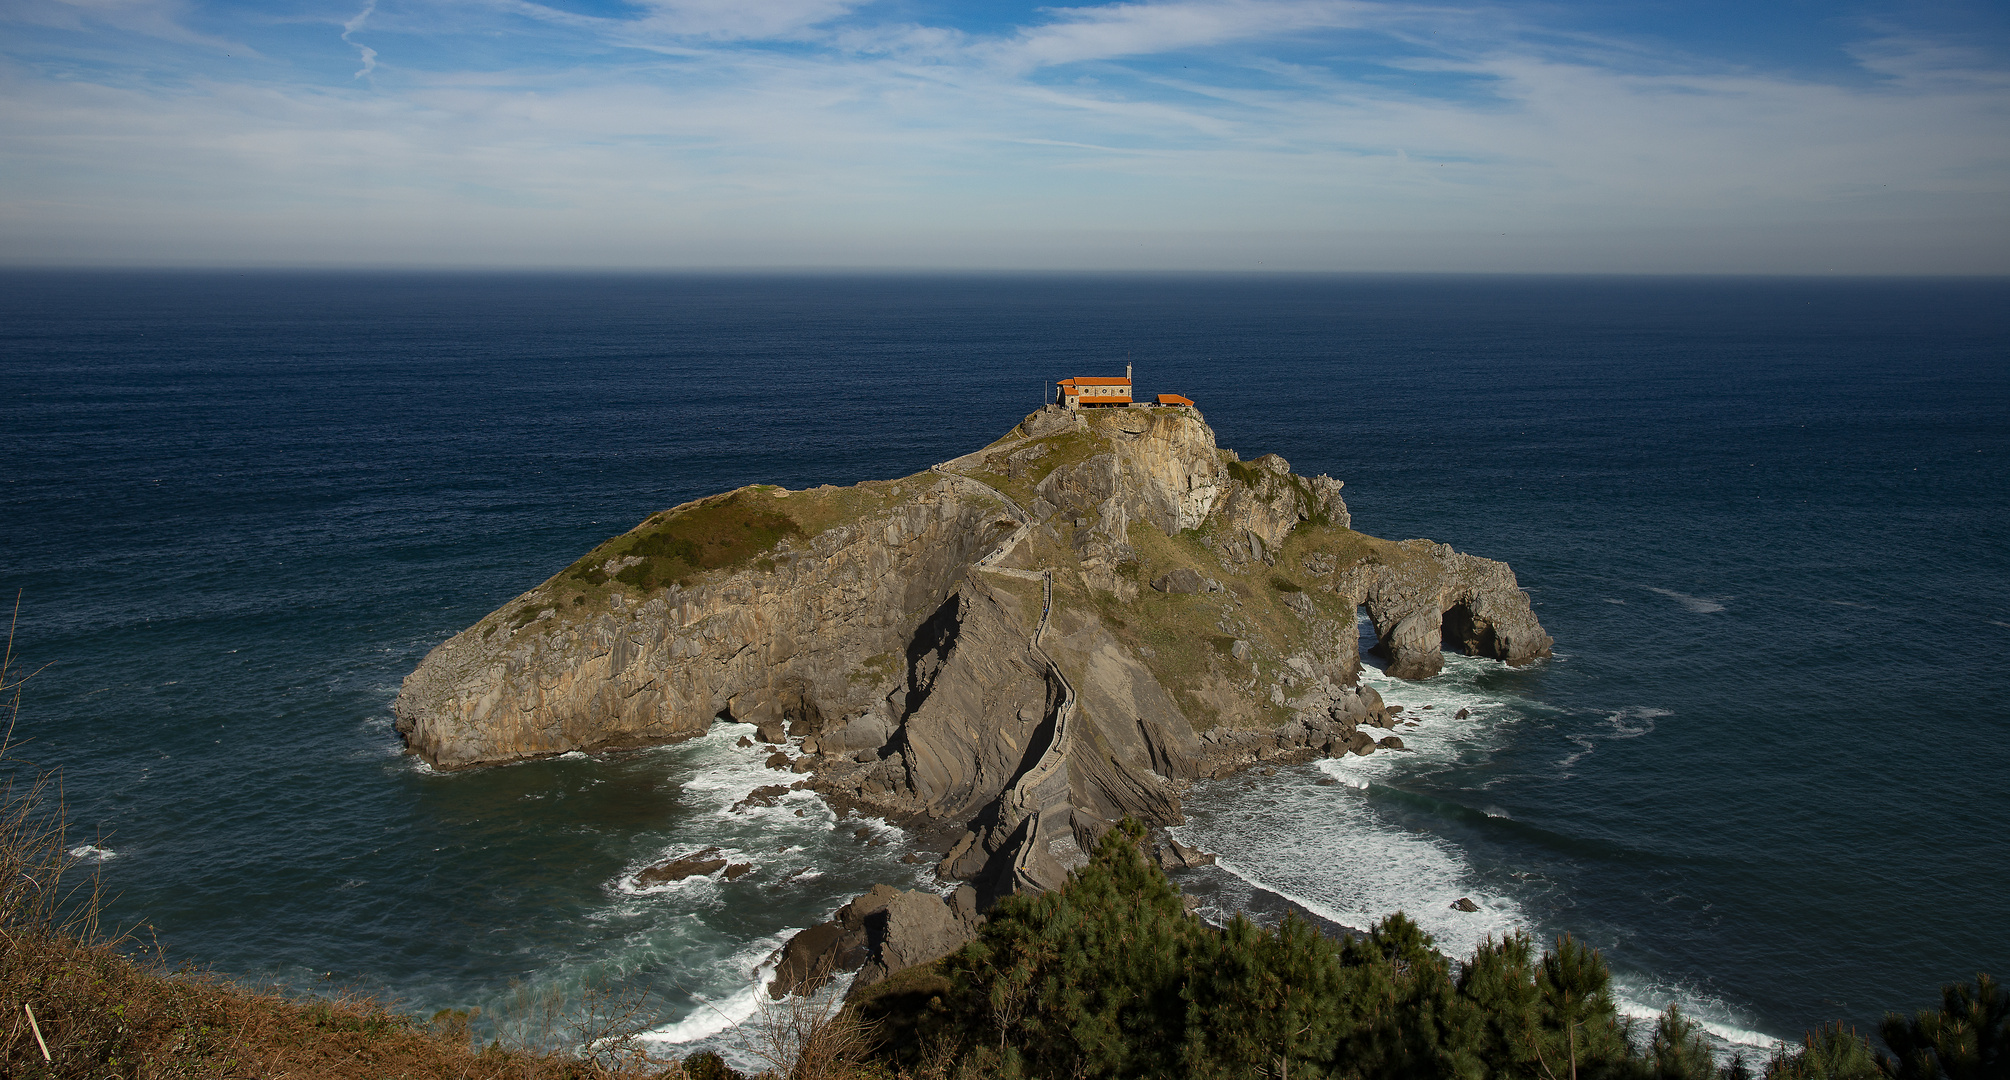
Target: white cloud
738	19
914	145
1125	30
161	19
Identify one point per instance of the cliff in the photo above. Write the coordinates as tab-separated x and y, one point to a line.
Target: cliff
1011	651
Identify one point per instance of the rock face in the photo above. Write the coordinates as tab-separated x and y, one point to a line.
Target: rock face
767	645
1443	598
881	932
1015	649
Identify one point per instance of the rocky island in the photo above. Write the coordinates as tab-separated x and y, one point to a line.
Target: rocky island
1006	654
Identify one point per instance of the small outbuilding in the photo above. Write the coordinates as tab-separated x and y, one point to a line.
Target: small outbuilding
1175	399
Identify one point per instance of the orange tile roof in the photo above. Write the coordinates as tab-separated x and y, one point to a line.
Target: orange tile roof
1084	380
1174	399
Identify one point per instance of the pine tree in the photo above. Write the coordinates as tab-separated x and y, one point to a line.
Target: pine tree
1678	1049
1828	1053
1968	1039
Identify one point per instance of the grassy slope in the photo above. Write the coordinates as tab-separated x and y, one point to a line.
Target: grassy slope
707	537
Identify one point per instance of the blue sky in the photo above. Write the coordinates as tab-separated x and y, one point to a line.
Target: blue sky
1704	136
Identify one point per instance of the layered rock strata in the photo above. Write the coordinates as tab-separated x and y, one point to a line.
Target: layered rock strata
1011	651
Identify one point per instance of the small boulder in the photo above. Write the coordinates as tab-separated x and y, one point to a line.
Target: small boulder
772	731
1361	743
1327	781
1177	856
1428	708
1462	714
1463	904
803	764
1240	649
744	742
1183	580
866	757
1391	743
778	760
1393	709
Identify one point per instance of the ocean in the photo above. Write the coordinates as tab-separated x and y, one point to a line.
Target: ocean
1767	772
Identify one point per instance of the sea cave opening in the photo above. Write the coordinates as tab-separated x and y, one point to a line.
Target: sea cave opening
1462	631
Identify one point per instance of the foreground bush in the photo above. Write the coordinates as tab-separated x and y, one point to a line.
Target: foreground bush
1109	977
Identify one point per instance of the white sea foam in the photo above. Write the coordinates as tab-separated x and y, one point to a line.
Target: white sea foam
92	853
1699	605
759	960
1332	851
1634	721
1723	1029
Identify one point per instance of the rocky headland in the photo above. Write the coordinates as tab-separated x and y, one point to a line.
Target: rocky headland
1004	654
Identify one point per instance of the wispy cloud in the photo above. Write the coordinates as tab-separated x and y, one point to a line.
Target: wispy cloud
1318	134
355	23
162	19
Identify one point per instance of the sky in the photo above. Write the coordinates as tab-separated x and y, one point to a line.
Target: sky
1582	136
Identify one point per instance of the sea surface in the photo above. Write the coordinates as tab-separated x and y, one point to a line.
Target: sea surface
1768	770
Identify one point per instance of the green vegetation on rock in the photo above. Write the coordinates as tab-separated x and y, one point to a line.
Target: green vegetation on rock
674	546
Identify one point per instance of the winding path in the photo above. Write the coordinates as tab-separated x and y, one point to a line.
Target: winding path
1025	793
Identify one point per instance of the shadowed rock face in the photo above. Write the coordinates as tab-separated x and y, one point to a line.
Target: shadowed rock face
928	688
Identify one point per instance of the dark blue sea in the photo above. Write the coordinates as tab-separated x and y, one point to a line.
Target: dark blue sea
1768	770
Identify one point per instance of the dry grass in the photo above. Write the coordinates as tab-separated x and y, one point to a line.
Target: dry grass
815	1036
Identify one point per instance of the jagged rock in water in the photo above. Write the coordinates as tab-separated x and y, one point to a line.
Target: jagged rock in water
1177	856
696	864
890	626
1440	598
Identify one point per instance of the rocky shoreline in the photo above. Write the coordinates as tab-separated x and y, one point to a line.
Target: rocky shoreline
1004	655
